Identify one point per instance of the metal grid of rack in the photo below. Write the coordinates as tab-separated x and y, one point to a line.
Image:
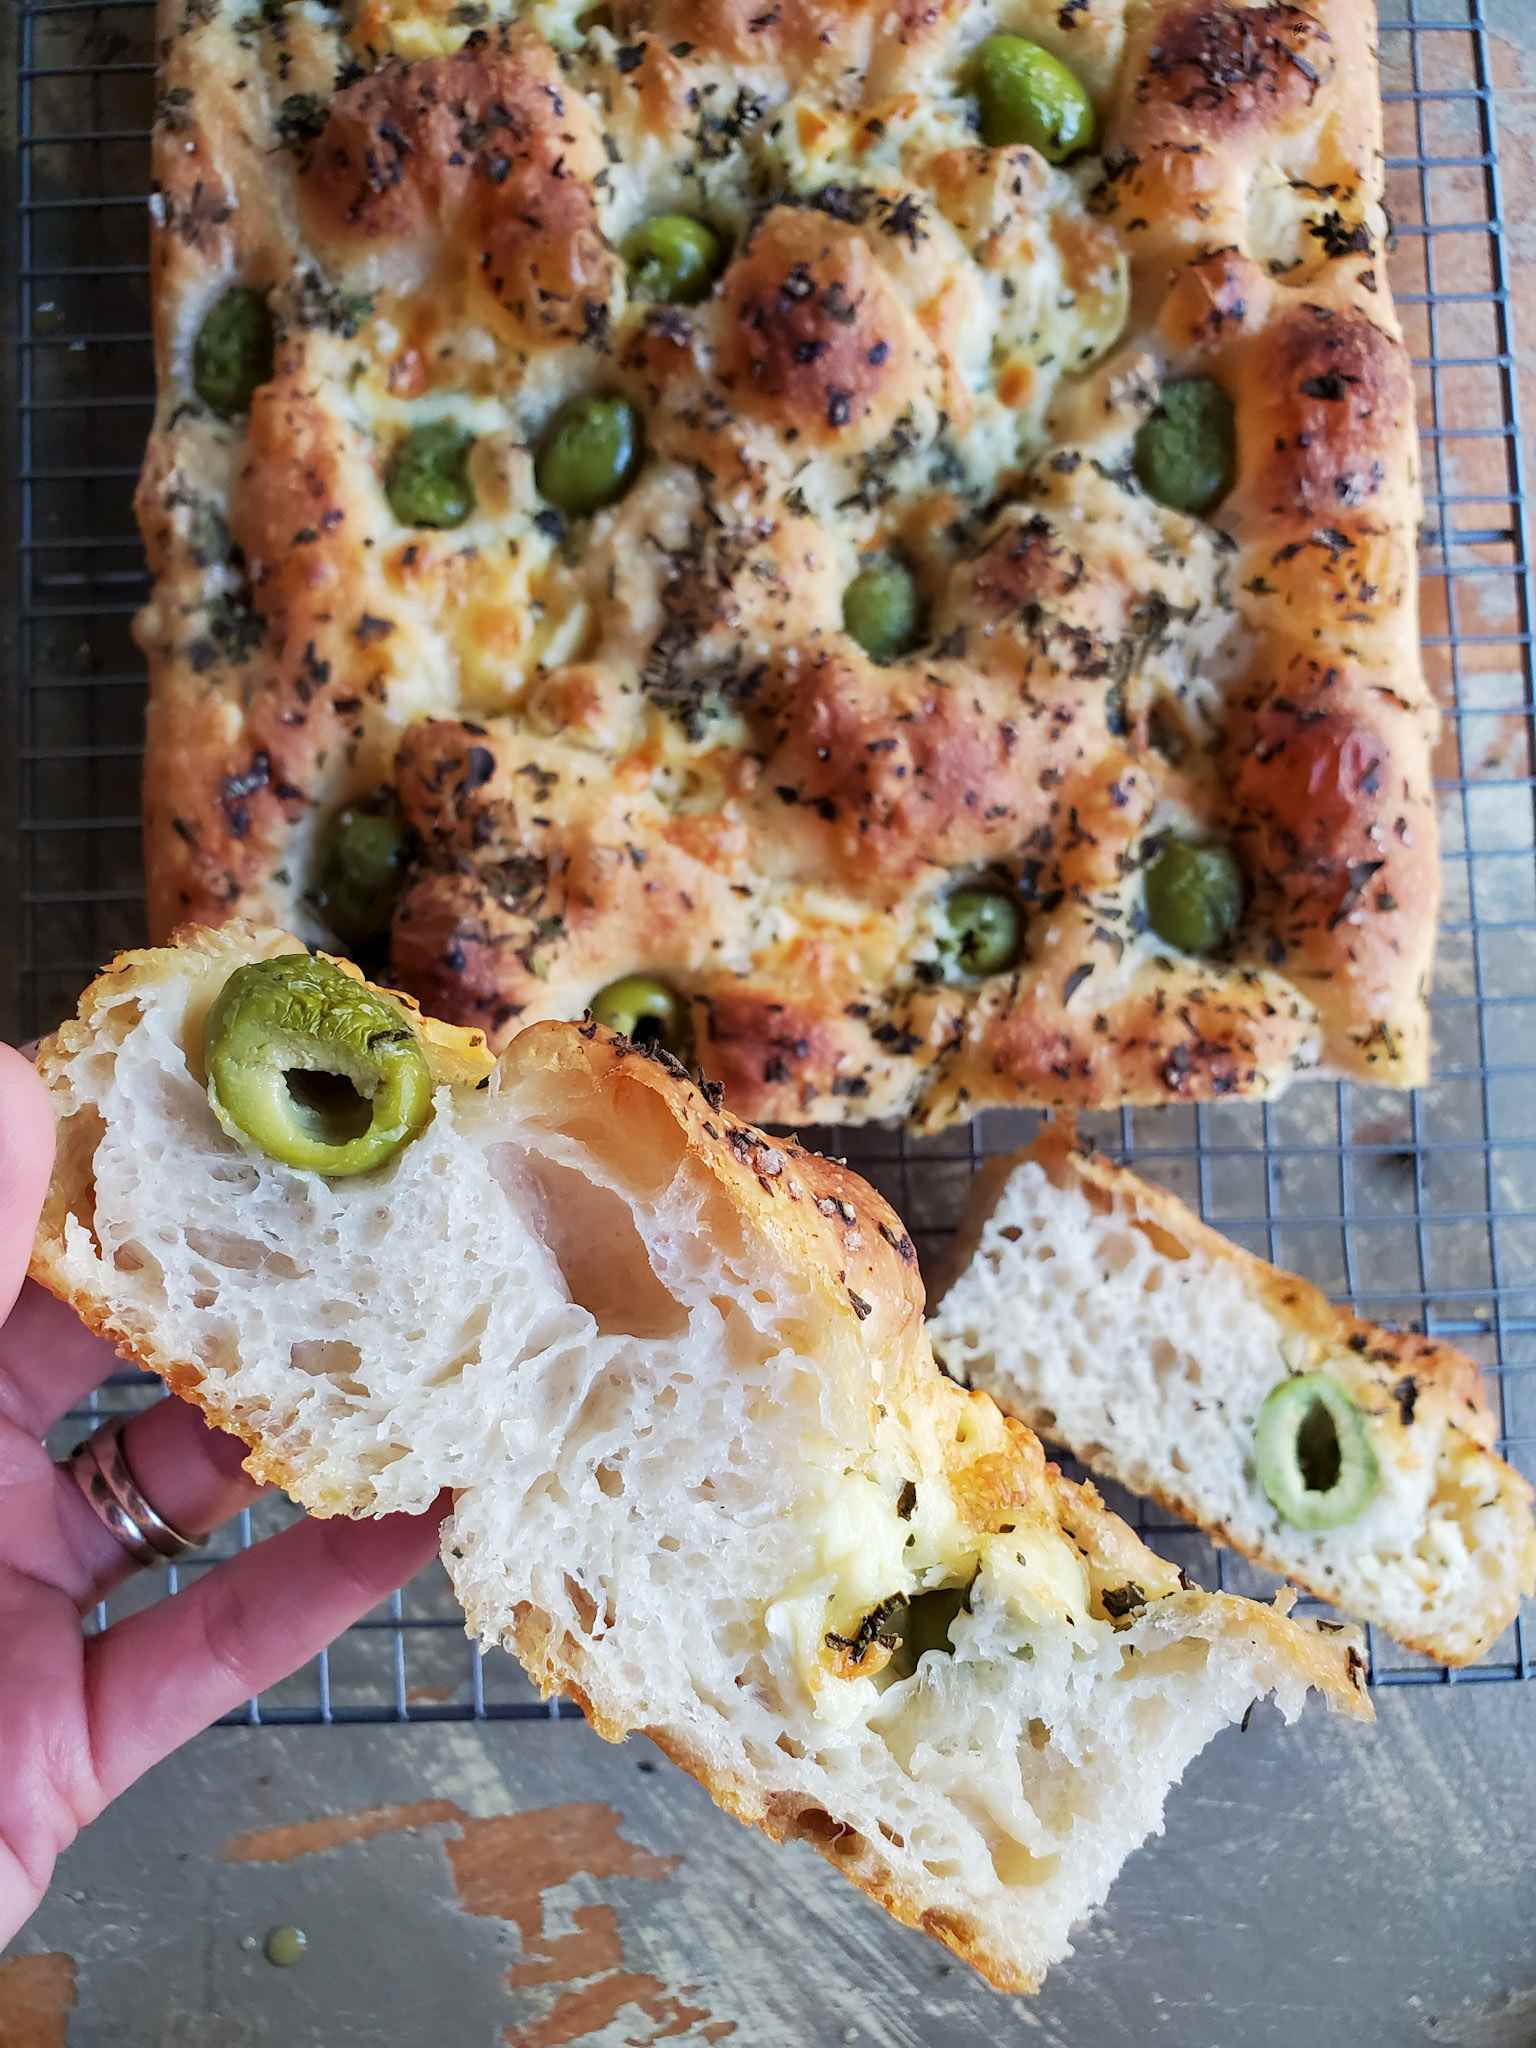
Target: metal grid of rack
1419	1209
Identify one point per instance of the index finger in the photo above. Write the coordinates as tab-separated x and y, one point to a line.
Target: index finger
159	1676
33	1345
49	1360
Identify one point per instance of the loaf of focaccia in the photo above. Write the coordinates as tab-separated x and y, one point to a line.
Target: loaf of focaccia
646	736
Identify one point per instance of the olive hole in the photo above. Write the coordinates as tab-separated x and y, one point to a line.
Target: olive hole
1318	1452
327	1107
922	1622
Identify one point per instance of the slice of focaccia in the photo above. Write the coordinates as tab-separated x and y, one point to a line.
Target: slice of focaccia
707	1478
1108	1316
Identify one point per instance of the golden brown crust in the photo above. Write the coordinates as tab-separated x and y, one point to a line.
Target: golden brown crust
817	342
1335	817
484	149
917	344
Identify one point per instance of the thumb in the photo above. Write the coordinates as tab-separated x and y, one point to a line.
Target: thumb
26	1160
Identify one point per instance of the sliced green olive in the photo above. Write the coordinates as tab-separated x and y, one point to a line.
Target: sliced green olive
590	454
1194	895
923	1623
359	872
1313	1456
1186	451
1027	95
428	482
672	260
313	1068
234	351
880	609
646	1010
981	933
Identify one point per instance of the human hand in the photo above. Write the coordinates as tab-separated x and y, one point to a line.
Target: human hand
82	1717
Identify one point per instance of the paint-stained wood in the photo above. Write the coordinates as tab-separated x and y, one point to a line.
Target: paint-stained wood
331	1830
37	1996
506	1867
1311	1886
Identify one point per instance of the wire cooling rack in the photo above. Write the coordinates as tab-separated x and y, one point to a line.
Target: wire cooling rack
1420	1209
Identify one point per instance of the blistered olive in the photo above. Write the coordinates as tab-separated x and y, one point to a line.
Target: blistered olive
880	608
234	351
590	454
313	1068
1027	95
672	260
980	933
646	1010
1194	895
428	482
923	1622
359	872
1186	450
1312	1454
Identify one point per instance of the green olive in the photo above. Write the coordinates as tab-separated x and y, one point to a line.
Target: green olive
313	1068
646	1010
1313	1456
982	933
590	454
1194	895
672	259
285	1946
923	1622
880	609
359	872
234	351
1186	451
428	482
1027	95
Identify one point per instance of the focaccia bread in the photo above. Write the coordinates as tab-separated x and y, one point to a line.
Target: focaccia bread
707	1479
644	739
1104	1313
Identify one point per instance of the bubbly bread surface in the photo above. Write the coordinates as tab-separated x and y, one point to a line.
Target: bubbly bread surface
1104	1313
677	1379
643	741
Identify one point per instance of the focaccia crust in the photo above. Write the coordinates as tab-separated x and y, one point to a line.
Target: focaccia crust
644	742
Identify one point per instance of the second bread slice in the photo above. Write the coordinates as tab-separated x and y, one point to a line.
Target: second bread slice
1104	1313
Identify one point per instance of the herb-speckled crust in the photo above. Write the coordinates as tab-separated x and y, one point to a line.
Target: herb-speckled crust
644	741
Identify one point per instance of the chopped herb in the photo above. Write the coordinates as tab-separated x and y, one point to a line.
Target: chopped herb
300	119
317	303
1338	237
1119	1601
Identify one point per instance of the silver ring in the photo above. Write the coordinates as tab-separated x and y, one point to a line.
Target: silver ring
100	1470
